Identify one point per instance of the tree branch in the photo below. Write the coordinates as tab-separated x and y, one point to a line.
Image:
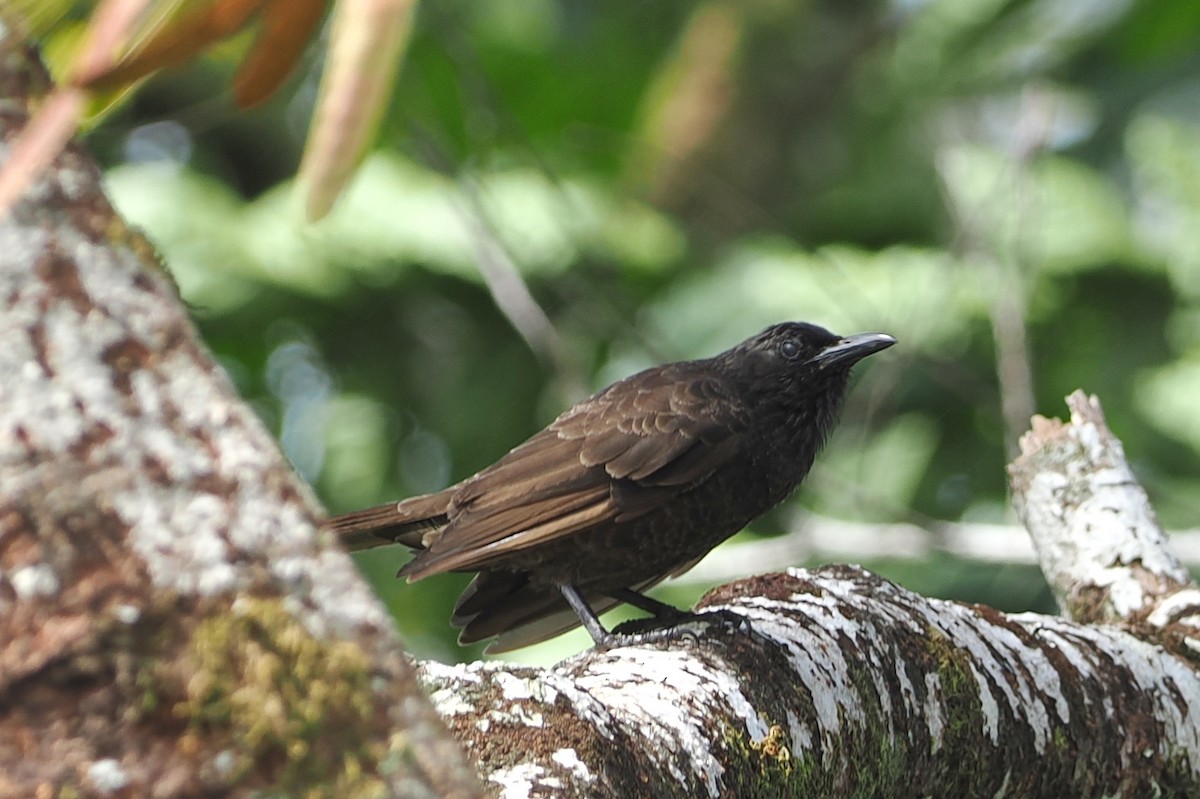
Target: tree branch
1098	541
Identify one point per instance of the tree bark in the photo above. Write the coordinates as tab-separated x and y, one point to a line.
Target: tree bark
846	685
172	621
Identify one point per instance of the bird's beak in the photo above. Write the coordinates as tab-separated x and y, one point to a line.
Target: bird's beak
852	349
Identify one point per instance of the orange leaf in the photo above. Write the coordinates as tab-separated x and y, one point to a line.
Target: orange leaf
174	43
286	27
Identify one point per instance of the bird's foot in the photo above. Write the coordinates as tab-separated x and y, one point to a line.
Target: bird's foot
731	620
682	624
668	624
636	628
639	633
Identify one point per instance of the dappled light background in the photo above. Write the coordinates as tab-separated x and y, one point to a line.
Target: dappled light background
1011	188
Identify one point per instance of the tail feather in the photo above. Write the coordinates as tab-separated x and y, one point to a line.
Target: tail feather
405	522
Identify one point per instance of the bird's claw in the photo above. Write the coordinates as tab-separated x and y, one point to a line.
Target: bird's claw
729	619
682	625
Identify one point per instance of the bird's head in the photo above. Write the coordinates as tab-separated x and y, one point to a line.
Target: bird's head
802	359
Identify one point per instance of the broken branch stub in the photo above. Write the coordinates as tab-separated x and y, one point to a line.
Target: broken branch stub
1096	535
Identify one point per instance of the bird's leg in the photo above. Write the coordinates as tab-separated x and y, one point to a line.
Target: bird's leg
591	622
659	610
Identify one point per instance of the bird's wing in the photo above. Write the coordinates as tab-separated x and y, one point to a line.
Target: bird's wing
611	458
660	427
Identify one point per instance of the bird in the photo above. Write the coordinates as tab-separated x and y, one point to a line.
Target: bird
626	488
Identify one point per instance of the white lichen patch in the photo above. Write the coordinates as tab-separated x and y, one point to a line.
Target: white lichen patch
932	709
450	702
127	614
1033	689
431	671
518	714
450	689
107	776
181	543
644	688
959	625
517	782
514	688
1091	521
32	582
337	600
589	709
1168	682
989	707
286	532
818	653
815	656
142	313
224	763
900	672
568	758
800	738
1181	607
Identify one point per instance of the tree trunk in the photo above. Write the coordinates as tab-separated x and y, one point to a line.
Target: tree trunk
172	622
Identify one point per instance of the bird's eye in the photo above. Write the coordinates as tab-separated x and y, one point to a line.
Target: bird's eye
789	349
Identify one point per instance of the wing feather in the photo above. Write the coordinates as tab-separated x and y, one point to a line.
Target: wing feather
476	556
637	428
611	458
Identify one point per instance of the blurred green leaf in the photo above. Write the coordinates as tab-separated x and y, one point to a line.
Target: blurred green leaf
923	297
1165	157
1167	396
1055	215
394	215
888	466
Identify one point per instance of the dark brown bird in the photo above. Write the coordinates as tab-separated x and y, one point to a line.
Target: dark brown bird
628	487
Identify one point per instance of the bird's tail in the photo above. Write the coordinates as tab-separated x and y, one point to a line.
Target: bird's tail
404	522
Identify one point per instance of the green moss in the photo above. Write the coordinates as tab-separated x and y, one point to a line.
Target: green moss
1059	740
808	778
1178	778
773	777
963	719
884	774
880	775
281	696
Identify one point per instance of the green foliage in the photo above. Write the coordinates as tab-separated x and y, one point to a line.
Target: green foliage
905	167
